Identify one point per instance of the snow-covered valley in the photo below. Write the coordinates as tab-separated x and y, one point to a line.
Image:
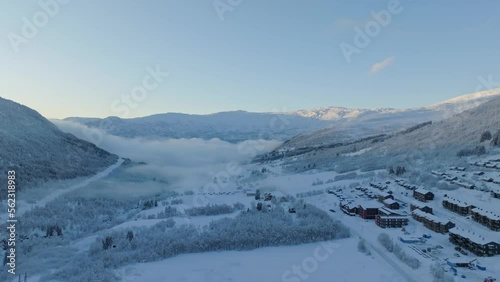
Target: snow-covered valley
209	210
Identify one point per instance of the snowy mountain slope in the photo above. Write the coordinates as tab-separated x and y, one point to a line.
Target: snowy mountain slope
38	151
429	145
333	124
338	113
454	105
386	121
463	129
228	126
470	100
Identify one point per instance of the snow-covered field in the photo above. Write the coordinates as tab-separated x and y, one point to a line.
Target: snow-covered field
310	262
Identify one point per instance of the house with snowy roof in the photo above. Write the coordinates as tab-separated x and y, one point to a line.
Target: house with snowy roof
487	218
384	196
391	204
480	244
421	206
457	206
433	222
423	195
391	221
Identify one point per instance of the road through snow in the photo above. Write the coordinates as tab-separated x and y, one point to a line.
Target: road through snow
55	194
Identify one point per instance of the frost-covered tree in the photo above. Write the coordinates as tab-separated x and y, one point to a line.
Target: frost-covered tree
176	202
257	194
485	136
259	206
396	249
386	242
495	141
362	247
239	206
476	151
210	210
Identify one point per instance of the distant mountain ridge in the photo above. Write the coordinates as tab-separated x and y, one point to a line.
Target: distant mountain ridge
39	151
305	127
233	127
386	121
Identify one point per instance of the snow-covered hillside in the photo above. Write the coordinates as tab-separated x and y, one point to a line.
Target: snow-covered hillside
362	123
463	129
427	144
228	126
333	124
38	151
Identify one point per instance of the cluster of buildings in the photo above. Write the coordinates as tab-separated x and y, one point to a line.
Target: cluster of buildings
444	175
491	180
486	218
380	186
492	164
408	186
389	201
458	168
454	179
385	216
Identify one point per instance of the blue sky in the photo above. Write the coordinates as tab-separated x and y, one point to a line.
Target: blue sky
260	56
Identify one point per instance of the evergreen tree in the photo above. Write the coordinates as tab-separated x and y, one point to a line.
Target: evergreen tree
107	243
130	235
257	194
259	206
